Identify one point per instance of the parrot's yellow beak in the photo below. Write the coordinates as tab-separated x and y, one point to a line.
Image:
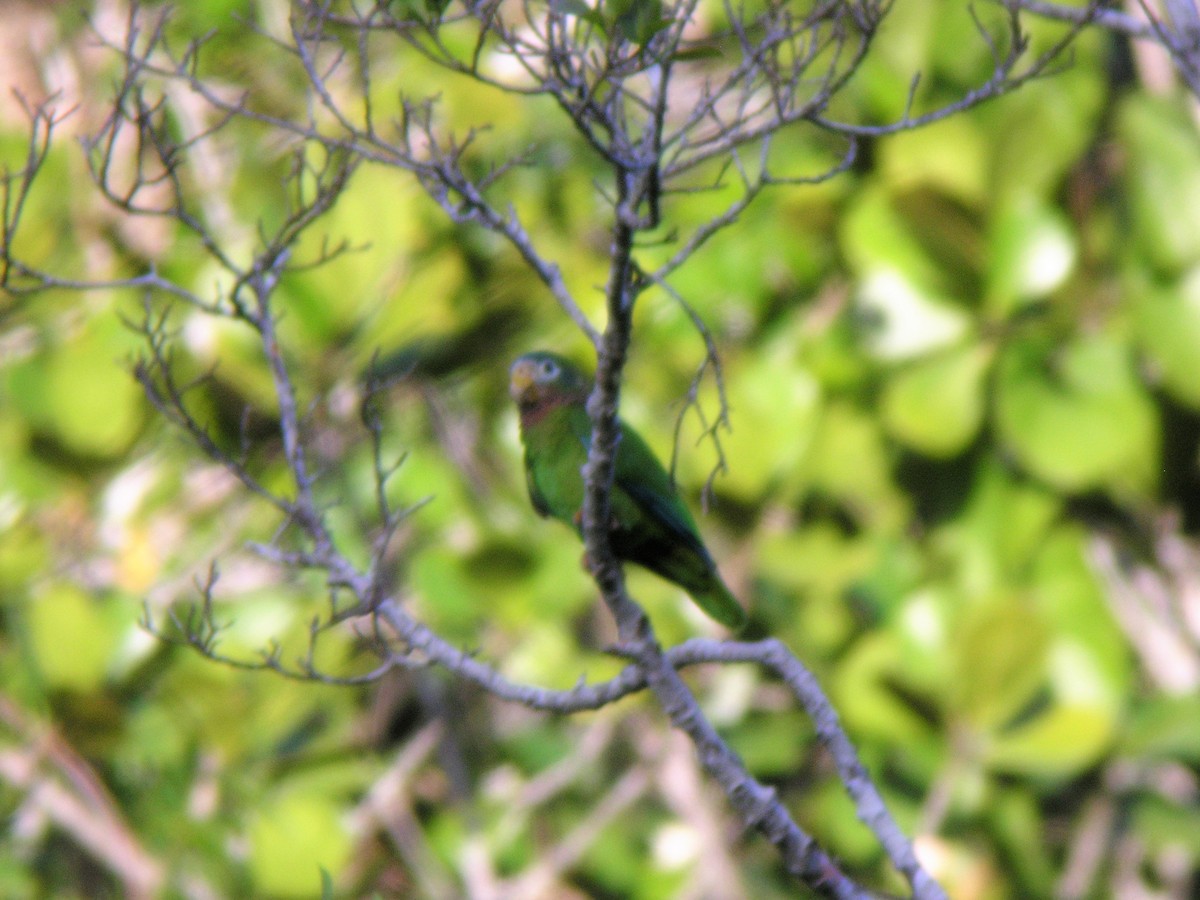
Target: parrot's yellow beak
521	377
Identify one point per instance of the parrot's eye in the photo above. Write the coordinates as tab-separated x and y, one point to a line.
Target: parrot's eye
549	369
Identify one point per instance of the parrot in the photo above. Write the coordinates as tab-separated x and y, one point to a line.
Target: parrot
650	524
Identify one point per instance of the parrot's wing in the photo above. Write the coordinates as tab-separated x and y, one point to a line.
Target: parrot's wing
540	506
667	511
642	477
644	480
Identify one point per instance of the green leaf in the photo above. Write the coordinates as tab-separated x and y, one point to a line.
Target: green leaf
294	838
885	74
1059	743
950	157
875	237
1091	661
579	10
1163	181
773	745
1168	826
25	552
1002	528
936	405
428	11
1162	728
849	461
1000	659
829	811
902	320
863	692
445	592
1168	331
1077	416
775	404
1085	665
903	303
1018	823
1039	133
1033	250
72	639
82	393
698	52
637	20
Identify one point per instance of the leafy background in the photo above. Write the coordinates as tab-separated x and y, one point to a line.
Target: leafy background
962	487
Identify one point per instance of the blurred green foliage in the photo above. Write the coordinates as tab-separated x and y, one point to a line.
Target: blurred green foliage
956	375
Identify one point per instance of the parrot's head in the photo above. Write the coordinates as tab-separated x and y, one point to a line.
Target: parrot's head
545	379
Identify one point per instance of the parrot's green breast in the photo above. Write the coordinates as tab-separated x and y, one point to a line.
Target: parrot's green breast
554	456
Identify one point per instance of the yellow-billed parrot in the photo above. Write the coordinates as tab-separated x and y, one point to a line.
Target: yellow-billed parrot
650	524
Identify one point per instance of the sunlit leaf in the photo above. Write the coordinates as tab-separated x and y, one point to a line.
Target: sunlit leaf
866	698
1168	332
72	639
774	404
1000	661
1032	252
1164	180
1061	742
937	404
293	839
1077	416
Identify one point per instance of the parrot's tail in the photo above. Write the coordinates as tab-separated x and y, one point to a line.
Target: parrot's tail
716	600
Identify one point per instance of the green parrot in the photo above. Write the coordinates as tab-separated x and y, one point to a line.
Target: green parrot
651	526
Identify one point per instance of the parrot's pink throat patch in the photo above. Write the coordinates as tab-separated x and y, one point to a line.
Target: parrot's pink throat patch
535	409
532	413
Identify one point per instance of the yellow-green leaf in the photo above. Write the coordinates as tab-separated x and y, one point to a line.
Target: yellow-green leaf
71	638
1077	416
936	405
292	840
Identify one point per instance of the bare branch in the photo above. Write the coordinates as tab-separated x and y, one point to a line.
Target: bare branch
647	103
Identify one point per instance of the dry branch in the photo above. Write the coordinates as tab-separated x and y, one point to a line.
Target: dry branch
661	105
